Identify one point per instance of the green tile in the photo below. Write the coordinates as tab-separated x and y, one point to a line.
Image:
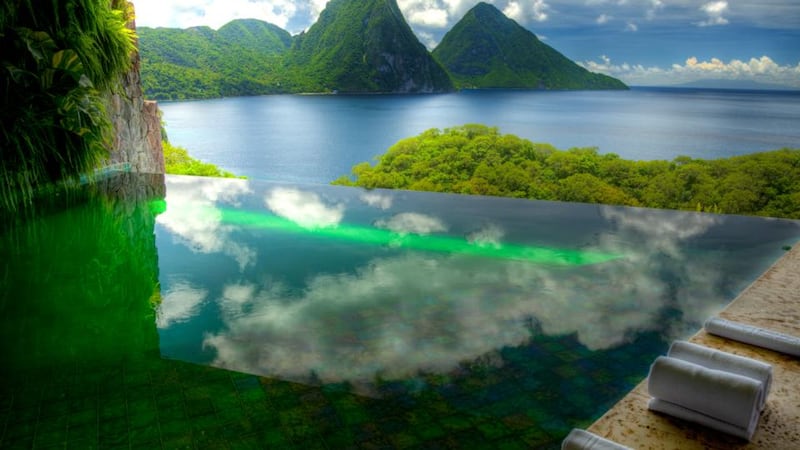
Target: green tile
493	430
143	419
178	442
404	440
199	407
144	435
85	431
175	428
85	444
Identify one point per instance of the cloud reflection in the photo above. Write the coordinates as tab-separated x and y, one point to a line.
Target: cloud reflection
398	316
376	200
179	304
304	208
412	223
194	219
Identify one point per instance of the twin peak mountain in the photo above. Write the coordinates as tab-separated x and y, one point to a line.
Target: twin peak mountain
356	46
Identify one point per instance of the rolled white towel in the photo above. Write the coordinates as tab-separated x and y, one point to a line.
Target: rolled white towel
722	395
728	362
579	439
749	334
663	406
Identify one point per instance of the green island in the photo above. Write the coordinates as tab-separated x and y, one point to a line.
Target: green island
479	160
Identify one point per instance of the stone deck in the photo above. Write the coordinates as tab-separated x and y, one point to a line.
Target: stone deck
773	302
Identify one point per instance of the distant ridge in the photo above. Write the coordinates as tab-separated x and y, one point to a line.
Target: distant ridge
486	49
241	58
356	46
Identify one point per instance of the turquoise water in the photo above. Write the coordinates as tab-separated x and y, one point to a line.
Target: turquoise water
316	139
196	313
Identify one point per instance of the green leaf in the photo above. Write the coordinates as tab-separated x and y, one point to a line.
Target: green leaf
69	62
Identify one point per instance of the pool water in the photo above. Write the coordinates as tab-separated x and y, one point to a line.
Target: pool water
176	312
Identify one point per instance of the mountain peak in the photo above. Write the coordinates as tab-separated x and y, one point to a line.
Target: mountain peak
486	49
365	46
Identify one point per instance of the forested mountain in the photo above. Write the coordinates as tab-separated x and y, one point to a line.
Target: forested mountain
364	46
360	46
486	49
243	57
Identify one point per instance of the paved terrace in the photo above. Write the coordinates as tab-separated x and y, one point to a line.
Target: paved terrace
773	302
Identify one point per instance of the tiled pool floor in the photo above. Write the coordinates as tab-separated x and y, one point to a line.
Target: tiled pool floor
170	404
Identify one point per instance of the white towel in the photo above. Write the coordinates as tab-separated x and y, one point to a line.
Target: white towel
749	334
663	406
728	362
583	440
724	396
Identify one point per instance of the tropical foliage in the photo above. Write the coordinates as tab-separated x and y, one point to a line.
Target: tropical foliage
178	162
476	159
241	58
56	66
356	46
486	49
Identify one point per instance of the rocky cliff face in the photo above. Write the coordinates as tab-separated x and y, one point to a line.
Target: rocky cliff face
137	125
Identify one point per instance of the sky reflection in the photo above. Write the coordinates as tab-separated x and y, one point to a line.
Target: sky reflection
299	306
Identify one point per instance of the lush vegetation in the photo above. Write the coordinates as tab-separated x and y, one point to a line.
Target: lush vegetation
475	159
486	49
363	46
241	58
178	162
355	46
57	64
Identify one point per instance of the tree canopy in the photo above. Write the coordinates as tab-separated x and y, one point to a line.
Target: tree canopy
477	159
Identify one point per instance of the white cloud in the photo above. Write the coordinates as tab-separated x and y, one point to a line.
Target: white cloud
763	70
632	27
195	220
431	17
376	200
714	10
415	223
603	19
524	11
488	236
397	316
180	303
304	208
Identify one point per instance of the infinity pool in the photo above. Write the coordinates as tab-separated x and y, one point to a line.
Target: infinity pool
235	313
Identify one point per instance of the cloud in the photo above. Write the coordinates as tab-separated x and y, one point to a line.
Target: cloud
304	208
398	316
488	236
179	304
415	223
603	19
195	221
376	200
714	10
431	17
632	27
763	70
523	11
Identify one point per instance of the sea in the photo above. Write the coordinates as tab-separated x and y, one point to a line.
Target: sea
318	138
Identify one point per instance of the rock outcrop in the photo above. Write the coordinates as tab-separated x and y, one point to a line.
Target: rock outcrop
137	124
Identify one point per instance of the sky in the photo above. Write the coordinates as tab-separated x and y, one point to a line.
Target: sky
642	42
